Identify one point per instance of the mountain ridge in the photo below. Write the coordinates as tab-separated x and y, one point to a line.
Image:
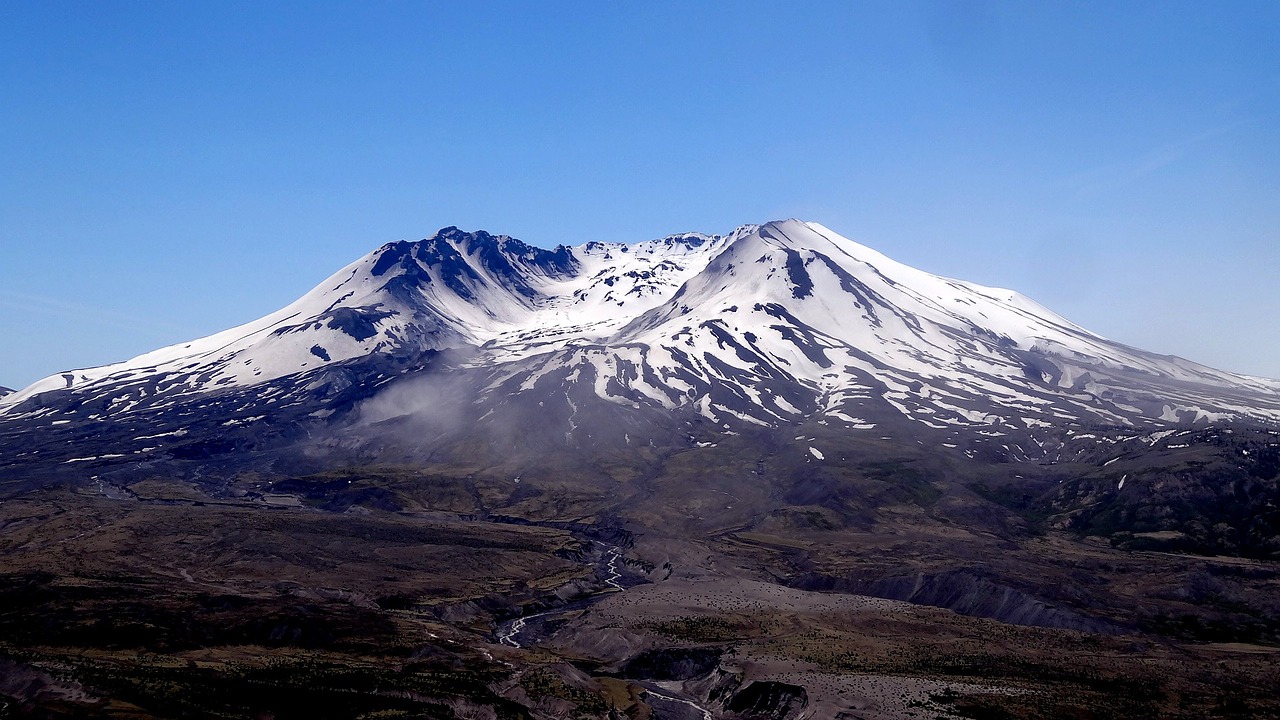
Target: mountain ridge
767	325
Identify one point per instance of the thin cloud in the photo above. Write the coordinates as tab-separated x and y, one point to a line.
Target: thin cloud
49	306
1111	177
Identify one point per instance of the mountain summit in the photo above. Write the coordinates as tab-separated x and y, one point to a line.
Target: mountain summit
767	327
764	325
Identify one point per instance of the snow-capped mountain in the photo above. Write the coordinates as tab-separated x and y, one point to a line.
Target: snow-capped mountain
453	290
765	326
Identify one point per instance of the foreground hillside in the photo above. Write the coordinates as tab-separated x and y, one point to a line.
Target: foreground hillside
380	592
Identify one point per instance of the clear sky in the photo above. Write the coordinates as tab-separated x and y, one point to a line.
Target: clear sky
172	169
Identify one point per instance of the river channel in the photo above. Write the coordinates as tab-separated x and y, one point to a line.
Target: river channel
527	630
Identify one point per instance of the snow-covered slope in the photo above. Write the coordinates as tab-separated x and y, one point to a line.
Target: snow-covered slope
428	295
793	305
767	325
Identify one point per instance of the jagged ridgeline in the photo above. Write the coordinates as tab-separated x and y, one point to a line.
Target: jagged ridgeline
764	327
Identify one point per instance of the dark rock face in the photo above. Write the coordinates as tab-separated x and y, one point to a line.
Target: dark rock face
768	700
495	254
452	266
509	261
392	254
801	283
672	664
359	323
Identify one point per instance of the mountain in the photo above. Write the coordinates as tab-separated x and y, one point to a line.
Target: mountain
770	474
767	326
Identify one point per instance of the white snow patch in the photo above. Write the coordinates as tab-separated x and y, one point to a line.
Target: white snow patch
108	456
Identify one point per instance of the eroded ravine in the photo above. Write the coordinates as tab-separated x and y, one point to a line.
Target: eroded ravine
519	633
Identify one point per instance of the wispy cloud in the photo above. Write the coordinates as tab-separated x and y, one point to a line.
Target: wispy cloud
44	306
1113	176
1244	108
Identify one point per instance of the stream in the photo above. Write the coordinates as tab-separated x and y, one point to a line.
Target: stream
651	693
509	633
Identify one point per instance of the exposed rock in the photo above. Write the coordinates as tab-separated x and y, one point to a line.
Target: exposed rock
30	686
672	664
768	700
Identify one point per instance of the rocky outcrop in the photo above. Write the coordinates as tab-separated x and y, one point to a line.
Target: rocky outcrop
962	591
672	664
768	700
23	687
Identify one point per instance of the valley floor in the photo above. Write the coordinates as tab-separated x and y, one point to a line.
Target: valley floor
160	600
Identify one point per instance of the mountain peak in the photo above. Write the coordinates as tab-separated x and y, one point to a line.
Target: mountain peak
770	324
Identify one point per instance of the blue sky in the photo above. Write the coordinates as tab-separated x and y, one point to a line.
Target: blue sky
168	170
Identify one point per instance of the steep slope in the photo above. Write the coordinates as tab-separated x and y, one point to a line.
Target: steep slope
404	296
452	290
